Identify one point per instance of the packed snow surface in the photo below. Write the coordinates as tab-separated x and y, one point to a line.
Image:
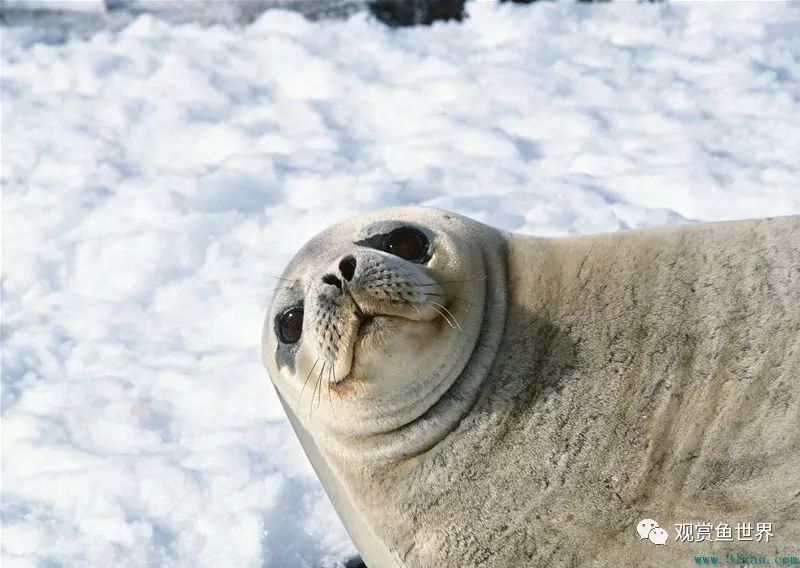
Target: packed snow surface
155	180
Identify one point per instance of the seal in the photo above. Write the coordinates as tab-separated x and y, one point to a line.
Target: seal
470	397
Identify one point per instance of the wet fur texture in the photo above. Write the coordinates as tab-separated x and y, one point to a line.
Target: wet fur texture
641	374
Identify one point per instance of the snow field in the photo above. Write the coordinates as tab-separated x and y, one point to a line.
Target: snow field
156	179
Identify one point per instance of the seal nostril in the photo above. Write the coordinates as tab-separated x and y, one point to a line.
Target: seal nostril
332	280
348	267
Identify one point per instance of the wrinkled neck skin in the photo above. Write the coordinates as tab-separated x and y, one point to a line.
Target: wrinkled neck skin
379	453
636	379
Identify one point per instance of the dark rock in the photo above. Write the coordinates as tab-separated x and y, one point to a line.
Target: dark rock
398	13
355	562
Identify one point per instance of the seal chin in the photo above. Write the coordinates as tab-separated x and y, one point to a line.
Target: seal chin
372	330
343	386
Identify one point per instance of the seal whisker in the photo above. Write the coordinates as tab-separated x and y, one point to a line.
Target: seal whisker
330	379
449	297
444	317
413	305
306	381
280	288
453	281
319	391
316	384
450	314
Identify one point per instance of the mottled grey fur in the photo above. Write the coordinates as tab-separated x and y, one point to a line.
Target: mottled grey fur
641	374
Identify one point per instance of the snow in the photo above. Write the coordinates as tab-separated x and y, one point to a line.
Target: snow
155	180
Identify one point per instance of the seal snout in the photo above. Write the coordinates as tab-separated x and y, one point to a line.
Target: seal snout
358	304
333	280
347	267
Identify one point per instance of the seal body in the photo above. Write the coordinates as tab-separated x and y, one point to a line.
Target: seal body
638	375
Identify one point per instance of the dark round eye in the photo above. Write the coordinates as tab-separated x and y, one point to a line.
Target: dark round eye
407	243
290	325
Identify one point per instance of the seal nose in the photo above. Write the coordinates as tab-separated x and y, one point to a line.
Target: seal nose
347	267
332	280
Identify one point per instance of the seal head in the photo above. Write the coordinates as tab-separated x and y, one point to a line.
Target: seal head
376	321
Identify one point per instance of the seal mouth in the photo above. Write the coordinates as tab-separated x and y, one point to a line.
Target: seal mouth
366	326
371	327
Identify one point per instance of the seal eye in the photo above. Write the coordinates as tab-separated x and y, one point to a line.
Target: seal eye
290	325
407	243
